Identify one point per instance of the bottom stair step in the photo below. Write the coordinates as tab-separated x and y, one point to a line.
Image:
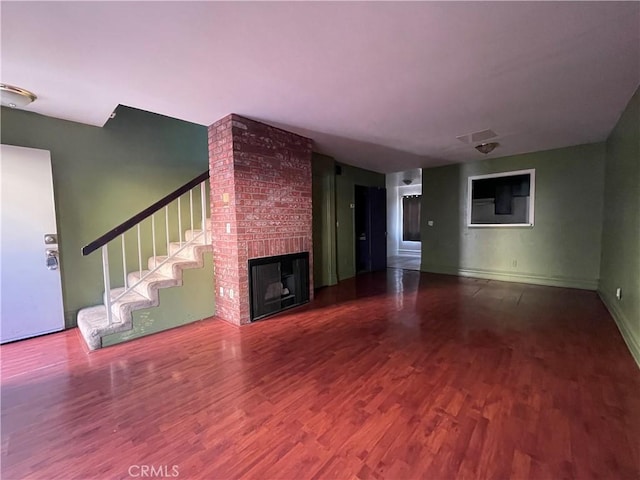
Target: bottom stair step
93	325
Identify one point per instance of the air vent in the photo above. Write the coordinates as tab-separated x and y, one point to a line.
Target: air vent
475	137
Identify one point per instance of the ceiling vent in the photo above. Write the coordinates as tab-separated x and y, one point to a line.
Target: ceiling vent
475	137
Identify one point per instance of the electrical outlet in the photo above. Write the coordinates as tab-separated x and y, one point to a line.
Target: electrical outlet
352	205
430	223
514	264
228	228
231	293
619	293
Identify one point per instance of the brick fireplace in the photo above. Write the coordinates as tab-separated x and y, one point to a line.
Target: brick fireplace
260	204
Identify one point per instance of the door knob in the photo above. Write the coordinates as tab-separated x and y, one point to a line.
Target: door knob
52	259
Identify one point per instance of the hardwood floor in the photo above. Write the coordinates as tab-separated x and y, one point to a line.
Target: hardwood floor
404	261
391	375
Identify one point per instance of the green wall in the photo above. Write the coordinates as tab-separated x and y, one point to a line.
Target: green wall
178	306
562	248
345	230
103	176
324	221
620	267
333	217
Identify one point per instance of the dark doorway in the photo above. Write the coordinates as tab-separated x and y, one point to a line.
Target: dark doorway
411	218
370	228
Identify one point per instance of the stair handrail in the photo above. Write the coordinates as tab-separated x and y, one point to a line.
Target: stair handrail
103	241
146	213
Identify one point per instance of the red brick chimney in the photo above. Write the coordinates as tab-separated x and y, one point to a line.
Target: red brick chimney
260	204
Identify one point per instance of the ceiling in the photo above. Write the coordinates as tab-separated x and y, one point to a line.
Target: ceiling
405	179
383	85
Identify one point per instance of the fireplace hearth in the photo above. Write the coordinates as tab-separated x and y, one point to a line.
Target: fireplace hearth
278	283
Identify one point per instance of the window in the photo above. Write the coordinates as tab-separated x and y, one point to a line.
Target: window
501	199
411	218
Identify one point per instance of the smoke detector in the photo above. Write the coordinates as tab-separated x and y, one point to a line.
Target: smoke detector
15	97
487	147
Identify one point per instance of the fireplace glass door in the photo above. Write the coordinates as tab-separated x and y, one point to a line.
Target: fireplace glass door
278	283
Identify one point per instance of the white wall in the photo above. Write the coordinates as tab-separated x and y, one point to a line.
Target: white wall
396	188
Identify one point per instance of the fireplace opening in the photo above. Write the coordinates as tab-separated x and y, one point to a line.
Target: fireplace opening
278	283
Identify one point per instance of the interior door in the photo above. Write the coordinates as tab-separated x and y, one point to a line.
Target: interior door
378	227
361	225
30	288
370	228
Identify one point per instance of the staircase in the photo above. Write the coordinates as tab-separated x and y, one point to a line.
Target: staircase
141	288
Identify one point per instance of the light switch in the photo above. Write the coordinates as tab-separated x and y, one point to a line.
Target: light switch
430	223
228	228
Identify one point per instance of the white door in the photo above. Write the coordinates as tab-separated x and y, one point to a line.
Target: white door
30	287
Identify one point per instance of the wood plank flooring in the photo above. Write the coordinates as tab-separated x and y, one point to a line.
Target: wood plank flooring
404	261
395	375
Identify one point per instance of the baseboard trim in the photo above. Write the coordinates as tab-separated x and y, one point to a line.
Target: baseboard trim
409	253
621	321
550	281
